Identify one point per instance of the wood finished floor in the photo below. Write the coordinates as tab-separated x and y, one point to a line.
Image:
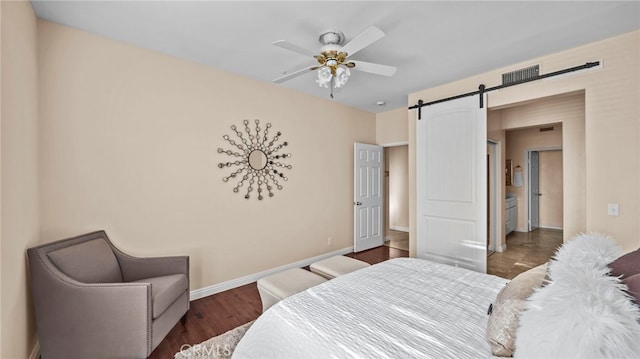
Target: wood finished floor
524	251
218	313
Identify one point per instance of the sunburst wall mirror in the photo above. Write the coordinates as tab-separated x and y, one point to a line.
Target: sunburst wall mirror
258	161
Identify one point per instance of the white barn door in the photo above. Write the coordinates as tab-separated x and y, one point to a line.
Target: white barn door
451	175
367	196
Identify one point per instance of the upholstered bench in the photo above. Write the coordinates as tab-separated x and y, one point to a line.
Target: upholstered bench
278	286
336	266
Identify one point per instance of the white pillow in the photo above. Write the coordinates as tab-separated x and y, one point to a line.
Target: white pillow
583	312
503	322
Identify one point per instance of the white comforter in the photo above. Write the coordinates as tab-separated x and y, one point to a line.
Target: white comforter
401	308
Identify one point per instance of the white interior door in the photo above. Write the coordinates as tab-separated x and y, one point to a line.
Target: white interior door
451	175
534	190
367	196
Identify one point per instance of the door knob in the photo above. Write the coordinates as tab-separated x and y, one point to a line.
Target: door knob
358	203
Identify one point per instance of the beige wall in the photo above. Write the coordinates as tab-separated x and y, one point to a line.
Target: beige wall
517	143
611	131
551	186
391	127
129	140
19	221
398	160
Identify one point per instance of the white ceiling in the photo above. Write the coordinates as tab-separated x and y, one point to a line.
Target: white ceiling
430	42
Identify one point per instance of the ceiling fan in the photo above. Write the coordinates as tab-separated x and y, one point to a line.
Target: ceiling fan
334	59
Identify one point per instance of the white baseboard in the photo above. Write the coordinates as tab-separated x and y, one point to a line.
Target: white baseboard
398	228
501	248
234	283
526	230
552	227
35	352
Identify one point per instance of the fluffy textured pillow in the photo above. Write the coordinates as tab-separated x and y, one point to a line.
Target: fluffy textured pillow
633	285
627	265
503	323
583	312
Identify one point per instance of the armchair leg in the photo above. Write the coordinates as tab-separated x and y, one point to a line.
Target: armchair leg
183	320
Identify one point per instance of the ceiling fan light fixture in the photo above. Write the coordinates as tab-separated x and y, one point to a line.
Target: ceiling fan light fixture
342	75
324	77
331	62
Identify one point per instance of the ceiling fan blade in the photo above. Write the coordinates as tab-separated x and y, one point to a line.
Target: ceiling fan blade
294	74
362	40
377	69
293	47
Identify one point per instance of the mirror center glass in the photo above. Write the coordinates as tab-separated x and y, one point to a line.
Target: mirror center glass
257	160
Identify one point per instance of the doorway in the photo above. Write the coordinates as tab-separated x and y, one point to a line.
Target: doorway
545	189
396	209
557	126
536	152
534	226
534	202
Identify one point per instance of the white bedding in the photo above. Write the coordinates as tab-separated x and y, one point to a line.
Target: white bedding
401	308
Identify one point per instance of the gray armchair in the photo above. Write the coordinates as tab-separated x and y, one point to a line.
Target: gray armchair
93	301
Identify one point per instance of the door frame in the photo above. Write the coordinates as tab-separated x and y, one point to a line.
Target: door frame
494	213
384	187
527	168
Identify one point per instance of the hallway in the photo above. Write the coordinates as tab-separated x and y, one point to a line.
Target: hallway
524	251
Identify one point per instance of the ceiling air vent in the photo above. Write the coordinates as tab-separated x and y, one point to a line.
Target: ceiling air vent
520	75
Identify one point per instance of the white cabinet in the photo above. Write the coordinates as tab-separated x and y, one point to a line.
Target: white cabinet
510	214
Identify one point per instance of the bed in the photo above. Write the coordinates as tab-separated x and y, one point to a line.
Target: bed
585	303
401	310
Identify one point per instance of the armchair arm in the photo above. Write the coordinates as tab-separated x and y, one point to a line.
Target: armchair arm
135	268
101	319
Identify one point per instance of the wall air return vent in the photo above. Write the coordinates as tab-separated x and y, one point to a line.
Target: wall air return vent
520	75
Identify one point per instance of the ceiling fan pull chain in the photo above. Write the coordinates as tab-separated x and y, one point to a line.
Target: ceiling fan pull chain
332	85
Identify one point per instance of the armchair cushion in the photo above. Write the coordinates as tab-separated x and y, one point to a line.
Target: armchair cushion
165	290
92	261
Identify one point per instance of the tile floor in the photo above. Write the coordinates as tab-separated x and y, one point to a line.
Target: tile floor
399	240
524	251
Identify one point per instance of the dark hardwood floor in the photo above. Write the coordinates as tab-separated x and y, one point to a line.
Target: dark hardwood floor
218	313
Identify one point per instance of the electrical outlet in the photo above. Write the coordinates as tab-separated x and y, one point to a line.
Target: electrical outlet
329	241
613	209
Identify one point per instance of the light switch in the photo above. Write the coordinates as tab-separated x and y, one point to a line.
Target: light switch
613	209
